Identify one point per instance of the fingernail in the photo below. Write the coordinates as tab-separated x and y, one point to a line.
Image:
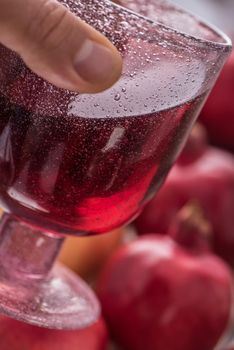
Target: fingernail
94	62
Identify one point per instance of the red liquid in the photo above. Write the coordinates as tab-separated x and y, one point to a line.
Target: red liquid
85	175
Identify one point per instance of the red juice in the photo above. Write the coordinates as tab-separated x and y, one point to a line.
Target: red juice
82	175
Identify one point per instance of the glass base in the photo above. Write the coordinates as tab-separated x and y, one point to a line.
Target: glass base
61	301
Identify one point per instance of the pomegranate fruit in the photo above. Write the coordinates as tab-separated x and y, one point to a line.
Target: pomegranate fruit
15	335
191	229
218	112
204	174
155	294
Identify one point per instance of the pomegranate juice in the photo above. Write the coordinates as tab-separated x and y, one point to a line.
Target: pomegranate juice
85	175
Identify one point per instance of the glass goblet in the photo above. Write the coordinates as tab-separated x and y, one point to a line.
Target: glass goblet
85	164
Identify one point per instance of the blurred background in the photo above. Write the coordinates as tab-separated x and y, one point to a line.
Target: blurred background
217	12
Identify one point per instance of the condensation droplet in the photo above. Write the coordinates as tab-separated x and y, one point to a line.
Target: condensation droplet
117	97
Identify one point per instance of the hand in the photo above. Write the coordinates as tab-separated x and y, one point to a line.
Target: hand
58	46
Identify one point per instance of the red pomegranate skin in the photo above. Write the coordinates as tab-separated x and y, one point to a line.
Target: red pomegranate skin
157	296
218	112
209	180
15	335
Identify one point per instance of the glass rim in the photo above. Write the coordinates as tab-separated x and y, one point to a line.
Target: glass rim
225	45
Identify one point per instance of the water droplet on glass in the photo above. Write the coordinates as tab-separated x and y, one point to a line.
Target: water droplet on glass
117	97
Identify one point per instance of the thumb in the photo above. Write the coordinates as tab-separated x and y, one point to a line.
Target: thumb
58	46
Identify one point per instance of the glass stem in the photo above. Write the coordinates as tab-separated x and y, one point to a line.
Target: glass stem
26	253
